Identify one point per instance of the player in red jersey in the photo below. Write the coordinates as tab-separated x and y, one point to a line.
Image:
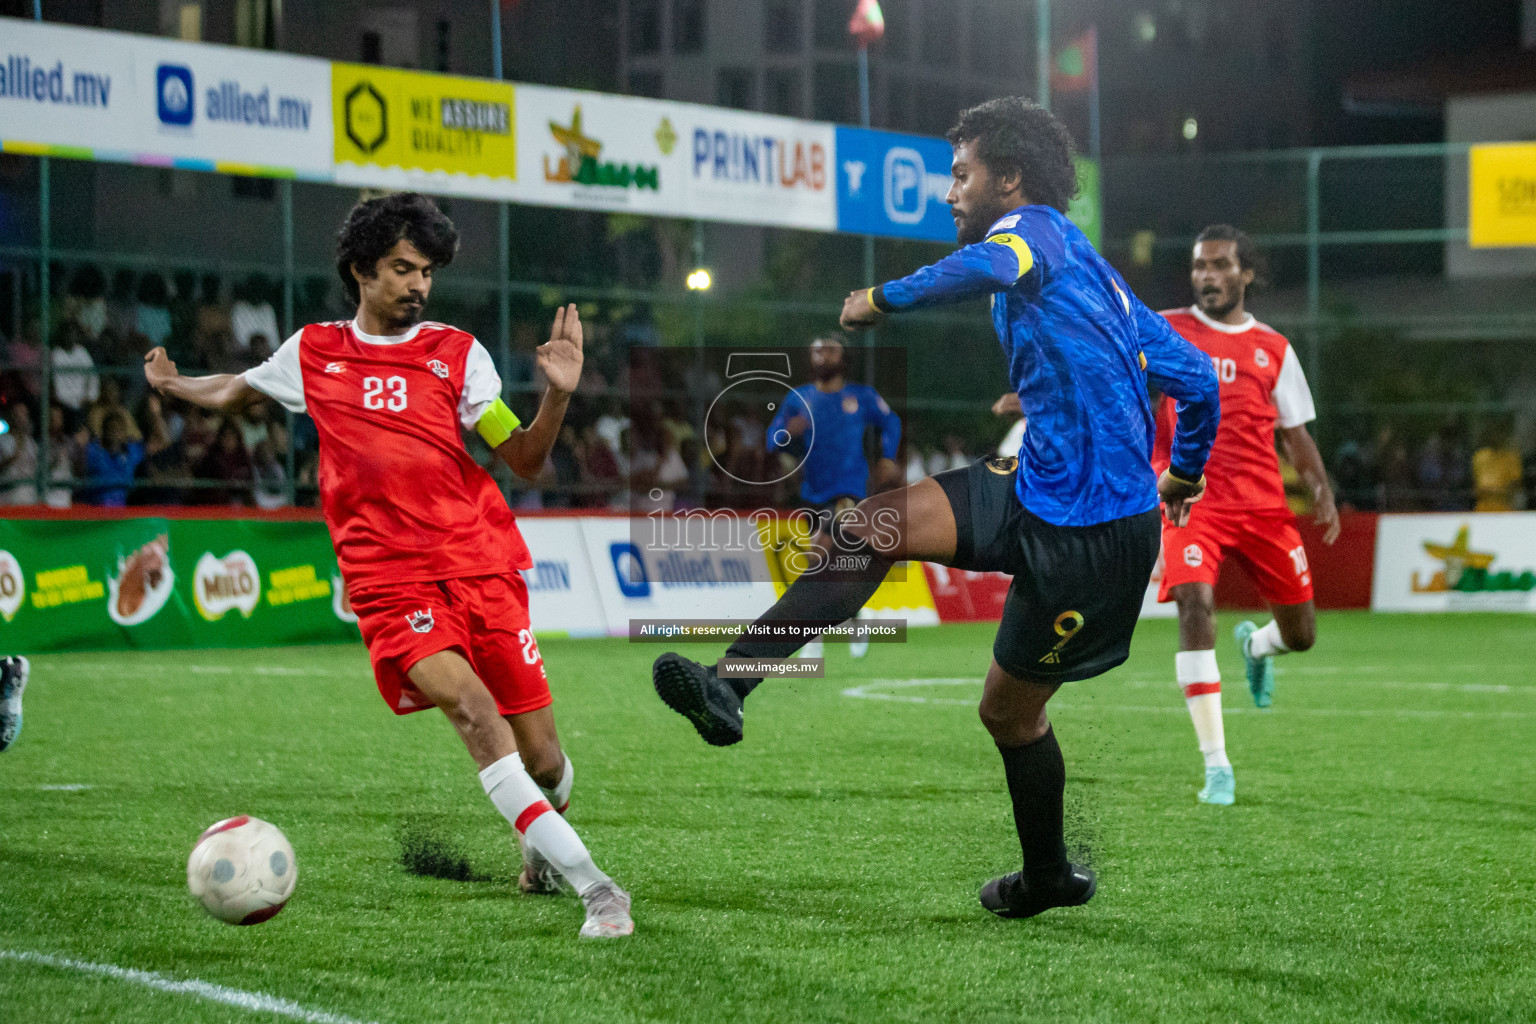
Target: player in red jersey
428	548
1243	513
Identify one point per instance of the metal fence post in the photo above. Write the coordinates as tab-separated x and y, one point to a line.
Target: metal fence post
45	325
504	286
286	188
1314	269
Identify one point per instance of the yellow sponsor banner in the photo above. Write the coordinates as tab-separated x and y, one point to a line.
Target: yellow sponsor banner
422	122
904	593
1503	195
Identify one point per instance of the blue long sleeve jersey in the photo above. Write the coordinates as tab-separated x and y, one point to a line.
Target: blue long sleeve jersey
1081	349
835	464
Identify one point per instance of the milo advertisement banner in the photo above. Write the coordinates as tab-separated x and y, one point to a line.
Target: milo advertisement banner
161	583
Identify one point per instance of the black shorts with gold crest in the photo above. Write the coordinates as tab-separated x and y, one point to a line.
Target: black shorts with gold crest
1077	590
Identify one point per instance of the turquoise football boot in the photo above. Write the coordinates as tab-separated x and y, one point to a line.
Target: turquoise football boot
13	680
1220	787
1261	671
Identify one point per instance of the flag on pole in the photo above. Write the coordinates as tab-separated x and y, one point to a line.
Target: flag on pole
867	23
1076	67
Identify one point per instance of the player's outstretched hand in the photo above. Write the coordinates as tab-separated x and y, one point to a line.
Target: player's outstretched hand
1326	514
560	357
858	312
1179	497
158	368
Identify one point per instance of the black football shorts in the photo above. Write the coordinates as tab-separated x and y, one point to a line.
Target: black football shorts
1077	590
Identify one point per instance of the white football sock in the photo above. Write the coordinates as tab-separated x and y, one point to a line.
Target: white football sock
1266	641
1200	679
560	796
520	801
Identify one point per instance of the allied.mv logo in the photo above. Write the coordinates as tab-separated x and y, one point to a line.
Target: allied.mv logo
173	94
421	621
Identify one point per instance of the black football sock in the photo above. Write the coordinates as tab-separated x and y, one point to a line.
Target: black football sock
1037	778
816	601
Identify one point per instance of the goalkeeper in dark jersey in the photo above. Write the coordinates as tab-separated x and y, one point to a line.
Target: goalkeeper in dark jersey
1073	519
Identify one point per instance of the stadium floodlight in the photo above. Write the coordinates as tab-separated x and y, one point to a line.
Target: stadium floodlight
699	280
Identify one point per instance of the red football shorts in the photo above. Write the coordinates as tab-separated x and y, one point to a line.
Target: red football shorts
484	618
1266	545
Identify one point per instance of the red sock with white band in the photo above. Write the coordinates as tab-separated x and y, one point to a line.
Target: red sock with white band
1200	679
521	802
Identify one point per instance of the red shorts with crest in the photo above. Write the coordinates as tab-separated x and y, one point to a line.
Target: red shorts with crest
1268	547
483	618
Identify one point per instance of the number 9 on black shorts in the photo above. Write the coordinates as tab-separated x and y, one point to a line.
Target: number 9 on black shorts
1077	590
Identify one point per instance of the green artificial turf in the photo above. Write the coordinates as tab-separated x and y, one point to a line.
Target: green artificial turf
1379	864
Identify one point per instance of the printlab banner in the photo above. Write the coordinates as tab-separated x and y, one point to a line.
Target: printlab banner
93	94
158	583
595	151
1455	562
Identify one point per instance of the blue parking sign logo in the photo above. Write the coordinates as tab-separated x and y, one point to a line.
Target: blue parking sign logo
893	184
629	569
173	94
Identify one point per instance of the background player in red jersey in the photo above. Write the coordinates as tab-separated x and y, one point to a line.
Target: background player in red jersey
427	546
1243	513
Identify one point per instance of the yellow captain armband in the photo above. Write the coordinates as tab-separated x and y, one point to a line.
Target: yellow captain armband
1020	249
497	423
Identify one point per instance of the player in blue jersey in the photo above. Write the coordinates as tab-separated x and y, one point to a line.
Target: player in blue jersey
826	421
1073	519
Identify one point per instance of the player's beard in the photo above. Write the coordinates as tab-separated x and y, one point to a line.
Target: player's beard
408	312
829	371
1219	304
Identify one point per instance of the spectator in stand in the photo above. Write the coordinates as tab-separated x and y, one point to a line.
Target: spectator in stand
152	311
258	353
197	436
109	402
914	460
112	461
65	458
252	314
121	312
255	424
183	309
18	458
1395	476
952	457
1458	467
86	303
75	384
25	354
210	338
229	462
1497	472
1353	476
269	478
164	468
600	468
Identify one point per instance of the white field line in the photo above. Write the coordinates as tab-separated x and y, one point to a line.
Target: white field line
148	669
65	787
253	1002
868	691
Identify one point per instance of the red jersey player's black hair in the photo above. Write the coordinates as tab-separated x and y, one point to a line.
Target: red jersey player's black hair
1248	256
374	226
1012	133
